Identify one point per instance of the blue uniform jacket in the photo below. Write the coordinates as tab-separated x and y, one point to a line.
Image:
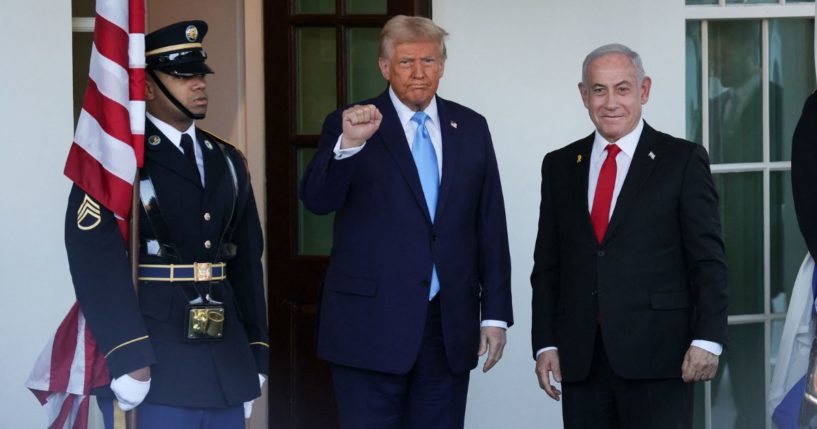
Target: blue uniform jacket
149	329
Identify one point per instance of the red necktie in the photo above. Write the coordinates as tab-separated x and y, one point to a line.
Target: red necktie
600	213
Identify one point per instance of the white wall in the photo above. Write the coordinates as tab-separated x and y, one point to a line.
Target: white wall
36	115
518	63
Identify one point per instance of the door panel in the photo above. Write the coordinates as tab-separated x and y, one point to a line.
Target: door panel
319	55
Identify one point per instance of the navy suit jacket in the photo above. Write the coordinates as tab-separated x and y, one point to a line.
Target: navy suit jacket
658	279
375	294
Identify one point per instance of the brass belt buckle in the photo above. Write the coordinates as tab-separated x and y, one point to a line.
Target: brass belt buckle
203	271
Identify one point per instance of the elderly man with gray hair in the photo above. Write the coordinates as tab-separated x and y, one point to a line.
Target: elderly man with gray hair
629	279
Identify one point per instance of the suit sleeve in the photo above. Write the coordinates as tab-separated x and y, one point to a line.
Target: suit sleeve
495	260
326	180
804	173
246	275
704	249
545	276
101	273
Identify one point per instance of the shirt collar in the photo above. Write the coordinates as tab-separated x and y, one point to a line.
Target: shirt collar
627	143
404	113
172	134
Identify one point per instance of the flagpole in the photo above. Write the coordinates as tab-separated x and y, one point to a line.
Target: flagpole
133	244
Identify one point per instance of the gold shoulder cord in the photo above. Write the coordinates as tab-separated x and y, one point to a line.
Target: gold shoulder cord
118	416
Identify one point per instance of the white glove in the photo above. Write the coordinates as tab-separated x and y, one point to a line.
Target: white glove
248	404
129	391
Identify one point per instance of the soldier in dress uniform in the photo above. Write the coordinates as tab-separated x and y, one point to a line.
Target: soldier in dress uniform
192	347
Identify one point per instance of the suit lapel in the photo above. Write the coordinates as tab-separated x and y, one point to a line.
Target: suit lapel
394	139
640	169
451	147
581	172
163	152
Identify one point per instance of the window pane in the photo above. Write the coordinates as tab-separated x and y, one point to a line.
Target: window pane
694	2
750	1
774	342
373	7
81	54
314	232
82	8
799	1
791	79
787	245
693	81
316	86
314	6
738	399
741	205
365	80
735	92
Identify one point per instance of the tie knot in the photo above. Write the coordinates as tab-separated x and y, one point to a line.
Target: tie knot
612	150
187	143
419	117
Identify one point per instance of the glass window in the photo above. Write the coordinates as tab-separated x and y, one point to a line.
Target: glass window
367	7
741	204
314	6
316	89
314	231
735	92
365	79
693	78
787	247
750	1
738	390
791	79
697	2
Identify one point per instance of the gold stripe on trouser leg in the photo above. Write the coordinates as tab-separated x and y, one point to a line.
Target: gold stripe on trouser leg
118	416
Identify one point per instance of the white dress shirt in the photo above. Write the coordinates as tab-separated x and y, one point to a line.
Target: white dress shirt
175	137
404	113
627	144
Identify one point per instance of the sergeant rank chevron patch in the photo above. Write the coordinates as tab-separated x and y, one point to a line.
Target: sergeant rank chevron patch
88	215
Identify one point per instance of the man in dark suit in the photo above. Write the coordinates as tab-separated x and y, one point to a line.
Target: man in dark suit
418	283
629	283
193	344
803	173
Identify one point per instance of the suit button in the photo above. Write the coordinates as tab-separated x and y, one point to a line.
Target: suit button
207	216
207	244
601	253
434	237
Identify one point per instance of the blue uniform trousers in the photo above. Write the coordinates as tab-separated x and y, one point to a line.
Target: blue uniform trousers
155	416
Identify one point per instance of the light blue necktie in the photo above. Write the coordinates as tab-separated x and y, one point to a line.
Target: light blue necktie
425	158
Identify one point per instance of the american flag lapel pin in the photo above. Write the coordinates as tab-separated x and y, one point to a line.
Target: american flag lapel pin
651	155
453	124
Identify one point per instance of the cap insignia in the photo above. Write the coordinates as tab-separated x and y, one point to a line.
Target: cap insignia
88	216
192	33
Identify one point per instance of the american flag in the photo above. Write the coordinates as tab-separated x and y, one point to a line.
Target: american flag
107	150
